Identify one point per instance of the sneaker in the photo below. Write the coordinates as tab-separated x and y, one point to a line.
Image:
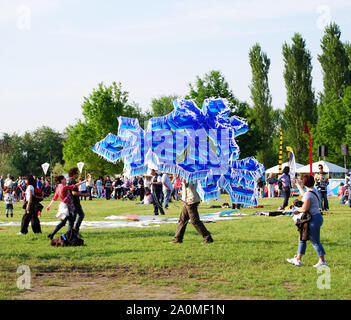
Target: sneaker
210	240
176	241
50	236
20	234
294	261
320	264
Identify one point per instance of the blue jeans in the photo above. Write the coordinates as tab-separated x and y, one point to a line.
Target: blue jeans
324	200
314	233
166	198
286	195
344	199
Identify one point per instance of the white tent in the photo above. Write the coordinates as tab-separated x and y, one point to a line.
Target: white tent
327	167
285	164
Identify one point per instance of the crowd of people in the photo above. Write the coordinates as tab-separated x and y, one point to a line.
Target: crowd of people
158	190
282	187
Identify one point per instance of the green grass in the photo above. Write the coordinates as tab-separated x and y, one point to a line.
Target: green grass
246	259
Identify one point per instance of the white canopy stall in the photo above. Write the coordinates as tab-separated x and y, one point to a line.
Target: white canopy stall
275	169
334	170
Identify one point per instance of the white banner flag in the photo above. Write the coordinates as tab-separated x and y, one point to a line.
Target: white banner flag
292	163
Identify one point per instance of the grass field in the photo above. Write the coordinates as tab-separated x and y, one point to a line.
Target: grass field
246	260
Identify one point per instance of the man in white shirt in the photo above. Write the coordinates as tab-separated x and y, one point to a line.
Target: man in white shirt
166	189
191	200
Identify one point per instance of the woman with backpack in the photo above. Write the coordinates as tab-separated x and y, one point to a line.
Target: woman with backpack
311	203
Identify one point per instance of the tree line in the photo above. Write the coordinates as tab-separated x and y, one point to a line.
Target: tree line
327	113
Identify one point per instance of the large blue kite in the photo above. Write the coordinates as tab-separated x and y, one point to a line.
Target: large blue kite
196	144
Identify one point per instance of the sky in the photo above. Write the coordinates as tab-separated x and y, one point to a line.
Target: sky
53	53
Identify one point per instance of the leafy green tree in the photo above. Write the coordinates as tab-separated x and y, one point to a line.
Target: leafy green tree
301	104
163	105
26	153
58	169
335	64
100	111
262	103
332	122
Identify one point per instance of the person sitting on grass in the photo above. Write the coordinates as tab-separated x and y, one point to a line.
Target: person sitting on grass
66	206
311	203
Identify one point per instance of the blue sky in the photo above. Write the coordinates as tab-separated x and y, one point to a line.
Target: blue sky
54	52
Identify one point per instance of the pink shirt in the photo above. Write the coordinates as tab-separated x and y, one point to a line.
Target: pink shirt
63	193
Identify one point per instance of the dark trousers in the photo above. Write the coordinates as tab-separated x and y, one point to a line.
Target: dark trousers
190	212
286	195
108	193
63	222
156	203
324	200
32	218
80	213
142	193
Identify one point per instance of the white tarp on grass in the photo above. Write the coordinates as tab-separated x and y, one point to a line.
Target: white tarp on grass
138	221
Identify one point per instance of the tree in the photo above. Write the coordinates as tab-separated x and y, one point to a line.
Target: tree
335	64
25	154
262	102
58	169
301	104
100	111
163	105
214	85
332	122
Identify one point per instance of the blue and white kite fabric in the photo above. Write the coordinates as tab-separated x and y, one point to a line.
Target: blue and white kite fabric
196	144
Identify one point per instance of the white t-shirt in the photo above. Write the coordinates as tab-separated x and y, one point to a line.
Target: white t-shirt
167	181
30	187
9	183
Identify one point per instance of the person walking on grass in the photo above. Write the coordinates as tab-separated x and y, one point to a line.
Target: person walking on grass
32	206
311	203
9	200
66	207
76	195
191	201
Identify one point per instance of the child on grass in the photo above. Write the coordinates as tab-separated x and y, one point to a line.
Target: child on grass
9	200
